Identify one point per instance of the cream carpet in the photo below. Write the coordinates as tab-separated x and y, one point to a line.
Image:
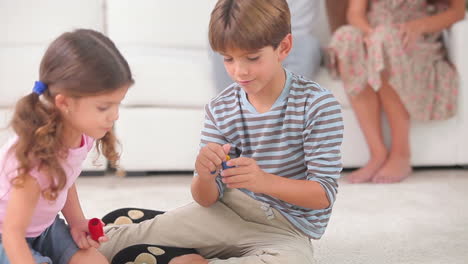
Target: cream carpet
422	220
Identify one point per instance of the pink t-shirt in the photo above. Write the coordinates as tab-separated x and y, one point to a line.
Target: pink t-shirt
45	211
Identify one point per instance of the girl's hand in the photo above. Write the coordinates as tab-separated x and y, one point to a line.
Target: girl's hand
80	235
209	159
411	32
246	174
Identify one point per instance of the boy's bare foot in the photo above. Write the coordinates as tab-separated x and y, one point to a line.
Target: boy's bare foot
366	173
394	170
189	259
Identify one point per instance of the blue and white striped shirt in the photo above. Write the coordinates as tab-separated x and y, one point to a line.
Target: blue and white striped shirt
299	138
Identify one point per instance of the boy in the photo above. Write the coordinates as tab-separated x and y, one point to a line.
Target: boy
305	56
283	134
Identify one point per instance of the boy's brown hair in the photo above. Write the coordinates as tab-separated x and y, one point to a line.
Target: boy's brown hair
248	24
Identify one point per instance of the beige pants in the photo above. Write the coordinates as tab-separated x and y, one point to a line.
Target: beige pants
238	229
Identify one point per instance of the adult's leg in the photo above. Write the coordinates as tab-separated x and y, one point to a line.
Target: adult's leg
397	166
366	106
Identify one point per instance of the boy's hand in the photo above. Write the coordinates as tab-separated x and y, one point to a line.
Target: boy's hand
246	174
209	159
81	237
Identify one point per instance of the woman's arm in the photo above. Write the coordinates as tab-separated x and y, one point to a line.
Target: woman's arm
336	11
20	209
357	15
411	31
436	23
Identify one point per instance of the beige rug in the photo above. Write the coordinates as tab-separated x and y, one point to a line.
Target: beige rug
422	220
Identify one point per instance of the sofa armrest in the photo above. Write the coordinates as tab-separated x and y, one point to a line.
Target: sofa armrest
457	40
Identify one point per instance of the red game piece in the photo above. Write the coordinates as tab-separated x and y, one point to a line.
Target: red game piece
95	228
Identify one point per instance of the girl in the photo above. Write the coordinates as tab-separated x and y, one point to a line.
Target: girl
83	78
391	56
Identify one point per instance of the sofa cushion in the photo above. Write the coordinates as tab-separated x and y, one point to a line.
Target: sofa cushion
169	77
157	138
27	28
39	22
162	23
324	79
19	68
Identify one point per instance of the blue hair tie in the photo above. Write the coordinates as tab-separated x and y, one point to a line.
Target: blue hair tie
39	87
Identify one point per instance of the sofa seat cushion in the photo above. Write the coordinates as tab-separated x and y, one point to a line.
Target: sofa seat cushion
324	79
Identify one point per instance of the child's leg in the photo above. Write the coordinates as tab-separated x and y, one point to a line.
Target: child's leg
268	238
235	228
38	257
265	238
190	226
56	243
90	255
190	258
272	252
266	252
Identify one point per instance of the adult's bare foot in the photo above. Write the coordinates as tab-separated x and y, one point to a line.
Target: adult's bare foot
366	173
189	259
394	170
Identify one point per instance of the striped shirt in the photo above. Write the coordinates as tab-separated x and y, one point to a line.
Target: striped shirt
298	138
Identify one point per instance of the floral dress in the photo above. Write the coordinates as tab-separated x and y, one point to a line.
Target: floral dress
422	76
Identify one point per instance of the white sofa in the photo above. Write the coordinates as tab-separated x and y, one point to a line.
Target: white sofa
435	143
161	118
26	29
166	45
